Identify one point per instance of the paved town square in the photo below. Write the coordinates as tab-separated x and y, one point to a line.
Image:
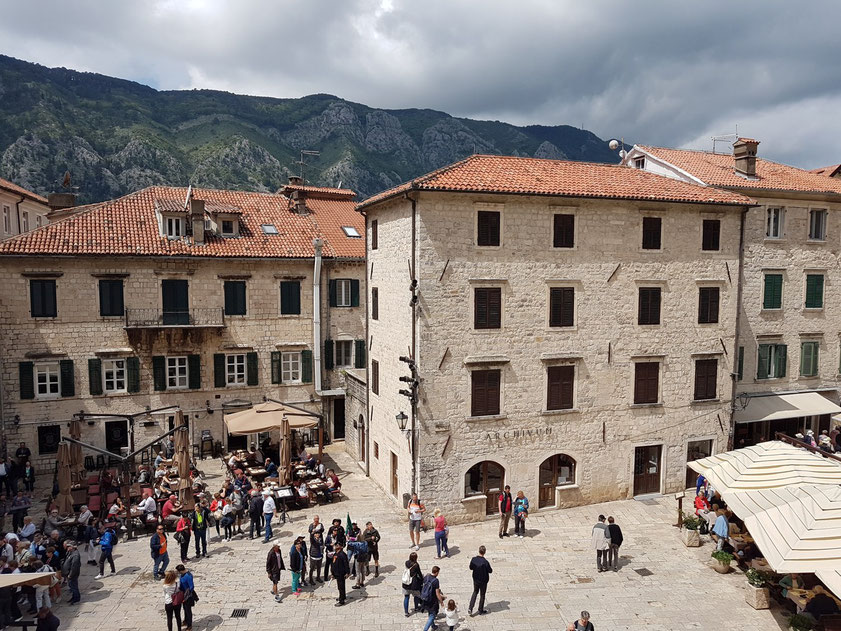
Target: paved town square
541	582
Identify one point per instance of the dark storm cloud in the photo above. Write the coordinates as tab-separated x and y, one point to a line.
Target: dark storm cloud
669	73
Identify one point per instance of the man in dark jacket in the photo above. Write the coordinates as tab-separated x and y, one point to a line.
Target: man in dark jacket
296	565
160	556
340	568
372	537
71	568
255	514
481	576
201	515
274	564
614	533
334	536
316	556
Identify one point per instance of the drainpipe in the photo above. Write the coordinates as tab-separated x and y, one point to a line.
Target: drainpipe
740	282
17	212
316	314
414	436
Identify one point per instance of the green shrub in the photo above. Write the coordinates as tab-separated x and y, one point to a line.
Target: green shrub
722	556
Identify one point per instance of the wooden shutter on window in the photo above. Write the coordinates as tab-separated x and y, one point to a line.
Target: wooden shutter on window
762	361
646	386
562	306
649	305
194	371
333	291
159	372
354	292
564	231
95	376
26	378
375	303
276	372
814	291
306	366
485	392
706	371
133	374
252	369
488	227
651	229
487	307
219	377
375	376
374	235
773	291
740	369
328	354
711	234
290	297
68	381
560	387
359	359
708	299
781	360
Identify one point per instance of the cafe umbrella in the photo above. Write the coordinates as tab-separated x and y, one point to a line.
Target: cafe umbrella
64	502
77	463
285	450
182	462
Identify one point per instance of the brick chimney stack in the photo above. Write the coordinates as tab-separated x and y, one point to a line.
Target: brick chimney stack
298	196
196	219
744	156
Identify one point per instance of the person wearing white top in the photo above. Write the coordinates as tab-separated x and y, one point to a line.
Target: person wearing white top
451	614
228	521
268	512
170	586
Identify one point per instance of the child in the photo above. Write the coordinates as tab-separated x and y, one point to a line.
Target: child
451	614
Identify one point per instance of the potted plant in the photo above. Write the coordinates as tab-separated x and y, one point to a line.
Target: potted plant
689	533
799	622
722	560
757	595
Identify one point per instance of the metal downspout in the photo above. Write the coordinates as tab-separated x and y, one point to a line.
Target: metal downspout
414	350
316	327
734	375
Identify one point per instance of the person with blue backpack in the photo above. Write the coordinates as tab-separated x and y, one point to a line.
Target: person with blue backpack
431	597
106	548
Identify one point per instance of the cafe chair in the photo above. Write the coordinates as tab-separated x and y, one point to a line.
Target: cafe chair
93	489
89	463
100	461
95	503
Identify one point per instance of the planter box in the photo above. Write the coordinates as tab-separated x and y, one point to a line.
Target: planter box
690	538
757	597
721	568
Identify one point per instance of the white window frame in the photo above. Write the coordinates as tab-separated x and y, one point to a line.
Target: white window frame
772	359
114	374
37	221
343	292
639	162
780	223
351	232
228	233
24	221
236	371
173	227
344	359
7	219
290	367
47	378
817	219
177	372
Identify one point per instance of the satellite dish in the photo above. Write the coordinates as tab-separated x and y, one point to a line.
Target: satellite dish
613	144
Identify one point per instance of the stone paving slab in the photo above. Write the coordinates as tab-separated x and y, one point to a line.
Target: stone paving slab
539	583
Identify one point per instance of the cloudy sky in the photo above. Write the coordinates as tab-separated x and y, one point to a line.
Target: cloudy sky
657	72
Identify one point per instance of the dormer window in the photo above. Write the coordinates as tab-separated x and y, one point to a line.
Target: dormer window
228	228
639	163
173	227
351	232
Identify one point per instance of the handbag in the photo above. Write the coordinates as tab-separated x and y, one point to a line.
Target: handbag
178	536
178	598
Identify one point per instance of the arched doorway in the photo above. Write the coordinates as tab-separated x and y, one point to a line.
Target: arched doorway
557	470
485	478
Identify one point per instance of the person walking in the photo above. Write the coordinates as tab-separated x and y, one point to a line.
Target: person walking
170	587
274	564
432	597
601	543
441	532
160	556
482	571
106	552
268	512
506	505
371	536
316	554
255	514
201	516
340	568
614	532
451	614
416	509
71	568
188	586
521	512
296	566
183	530
412	583
582	624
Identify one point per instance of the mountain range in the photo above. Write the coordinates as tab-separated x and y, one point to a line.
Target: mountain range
115	136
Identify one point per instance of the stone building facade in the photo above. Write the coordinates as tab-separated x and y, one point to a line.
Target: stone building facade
106	314
20	210
789	350
556	332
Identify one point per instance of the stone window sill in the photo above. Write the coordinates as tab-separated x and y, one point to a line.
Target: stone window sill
490	417
703	401
646	405
474	498
564	487
559	412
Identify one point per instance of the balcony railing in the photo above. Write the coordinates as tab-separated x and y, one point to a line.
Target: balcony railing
159	319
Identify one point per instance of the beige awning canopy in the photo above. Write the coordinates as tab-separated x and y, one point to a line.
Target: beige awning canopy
780	406
266	417
27	578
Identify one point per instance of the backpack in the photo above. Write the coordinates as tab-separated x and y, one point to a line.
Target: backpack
427	591
407	576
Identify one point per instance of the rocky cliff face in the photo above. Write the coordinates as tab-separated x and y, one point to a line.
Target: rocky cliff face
115	136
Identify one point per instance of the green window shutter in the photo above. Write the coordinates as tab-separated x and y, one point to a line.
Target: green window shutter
328	354
290	297
808	359
359	361
334	300
814	291
95	376
354	293
762	362
773	298
740	370
781	360
27	380
252	377
219	370
68	382
276	373
133	374
194	371
306	366
159	372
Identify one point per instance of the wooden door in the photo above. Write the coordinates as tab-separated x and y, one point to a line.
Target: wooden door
394	474
547	476
361	440
647	463
339	419
175	300
494	479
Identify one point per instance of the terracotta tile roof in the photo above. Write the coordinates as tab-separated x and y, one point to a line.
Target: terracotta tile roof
829	171
6	185
321	191
717	169
128	226
533	176
177	206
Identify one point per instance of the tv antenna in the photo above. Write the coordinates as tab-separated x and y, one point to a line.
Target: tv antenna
725	137
302	162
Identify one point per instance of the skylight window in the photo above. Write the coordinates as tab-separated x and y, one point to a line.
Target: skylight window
269	228
351	232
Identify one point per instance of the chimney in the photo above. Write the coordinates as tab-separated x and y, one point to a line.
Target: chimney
294	180
60	201
196	219
744	156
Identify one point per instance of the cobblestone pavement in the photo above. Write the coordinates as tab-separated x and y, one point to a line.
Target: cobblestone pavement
539	583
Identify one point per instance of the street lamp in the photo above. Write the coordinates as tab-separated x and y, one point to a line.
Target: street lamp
401	421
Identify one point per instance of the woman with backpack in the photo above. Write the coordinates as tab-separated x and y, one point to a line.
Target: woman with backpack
173	599
186	585
183	531
412	582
